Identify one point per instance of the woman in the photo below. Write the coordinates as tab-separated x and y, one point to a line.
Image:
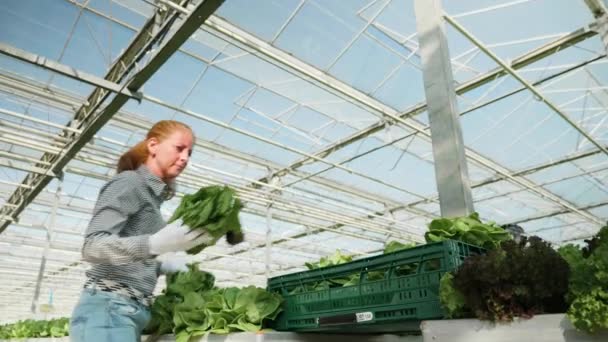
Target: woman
124	237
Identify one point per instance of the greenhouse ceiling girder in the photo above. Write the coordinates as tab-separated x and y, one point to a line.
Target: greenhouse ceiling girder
107	84
89	119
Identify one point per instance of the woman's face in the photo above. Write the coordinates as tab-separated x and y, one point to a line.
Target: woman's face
168	158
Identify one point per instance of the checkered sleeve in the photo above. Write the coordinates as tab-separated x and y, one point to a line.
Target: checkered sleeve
107	240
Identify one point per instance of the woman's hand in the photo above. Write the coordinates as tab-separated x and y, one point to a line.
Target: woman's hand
176	238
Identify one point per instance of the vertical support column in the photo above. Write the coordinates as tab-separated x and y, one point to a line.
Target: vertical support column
448	148
268	239
273	190
49	240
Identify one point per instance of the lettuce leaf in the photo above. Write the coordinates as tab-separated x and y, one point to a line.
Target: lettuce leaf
191	306
588	285
467	229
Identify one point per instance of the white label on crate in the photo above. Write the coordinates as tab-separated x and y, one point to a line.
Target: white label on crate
364	316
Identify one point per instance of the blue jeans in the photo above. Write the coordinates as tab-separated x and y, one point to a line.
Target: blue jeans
107	317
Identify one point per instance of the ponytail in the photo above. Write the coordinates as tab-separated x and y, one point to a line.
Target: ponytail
133	158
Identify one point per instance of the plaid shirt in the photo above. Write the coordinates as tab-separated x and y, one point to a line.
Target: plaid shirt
127	212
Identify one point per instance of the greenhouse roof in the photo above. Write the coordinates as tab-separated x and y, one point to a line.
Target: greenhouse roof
315	111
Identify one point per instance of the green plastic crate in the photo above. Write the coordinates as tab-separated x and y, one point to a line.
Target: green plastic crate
407	292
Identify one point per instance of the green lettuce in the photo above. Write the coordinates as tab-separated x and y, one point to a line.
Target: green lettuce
588	285
394	246
467	229
34	329
451	299
214	209
191	306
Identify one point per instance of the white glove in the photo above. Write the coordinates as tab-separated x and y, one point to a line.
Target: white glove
174	263
175	238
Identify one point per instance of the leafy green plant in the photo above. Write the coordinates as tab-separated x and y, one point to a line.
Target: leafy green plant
589	311
352	279
518	279
588	286
214	209
191	306
451	299
467	229
331	260
34	329
395	246
335	259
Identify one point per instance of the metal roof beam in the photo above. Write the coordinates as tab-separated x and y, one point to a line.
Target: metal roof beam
65	70
28	168
17	85
570	158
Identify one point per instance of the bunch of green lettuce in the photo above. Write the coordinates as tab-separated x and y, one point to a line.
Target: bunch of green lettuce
403	270
352	279
214	209
467	229
335	259
395	246
221	311
33	329
178	286
517	279
331	260
191	306
452	301
588	287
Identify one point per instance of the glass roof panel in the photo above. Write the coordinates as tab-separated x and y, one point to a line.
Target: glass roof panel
601	211
306	34
495	22
41	28
265	19
513	207
584	190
